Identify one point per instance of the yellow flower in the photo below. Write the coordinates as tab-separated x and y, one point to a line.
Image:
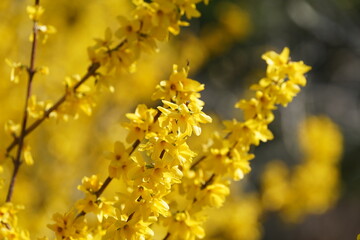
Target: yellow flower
277	64
259	107
128	227
95	205
142	123
129	29
27	155
120	164
183	226
35	12
213	195
76	99
179	88
9	228
12	128
90	184
43	32
149	203
35	108
17	70
188	7
181	119
68	226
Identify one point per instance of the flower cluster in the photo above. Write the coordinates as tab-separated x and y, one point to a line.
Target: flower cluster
9	228
119	51
149	168
35	12
205	182
161	191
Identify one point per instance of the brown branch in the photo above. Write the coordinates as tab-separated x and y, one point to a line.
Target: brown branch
197	162
103	187
91	72
167	236
31	72
208	182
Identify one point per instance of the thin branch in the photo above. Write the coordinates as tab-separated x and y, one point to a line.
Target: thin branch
167	236
197	162
208	182
91	72
109	179
31	72
103	187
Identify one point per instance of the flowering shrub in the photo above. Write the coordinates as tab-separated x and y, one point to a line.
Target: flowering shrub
156	185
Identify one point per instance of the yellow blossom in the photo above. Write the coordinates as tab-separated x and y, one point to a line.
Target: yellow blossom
43	32
142	123
120	165
128	227
27	155
178	88
129	29
95	205
68	226
35	12
182	119
188	7
35	108
78	98
213	195
12	128
17	70
9	228
90	184
183	226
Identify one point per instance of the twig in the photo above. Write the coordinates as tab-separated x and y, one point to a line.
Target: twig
167	236
91	72
197	162
109	179
31	72
208	182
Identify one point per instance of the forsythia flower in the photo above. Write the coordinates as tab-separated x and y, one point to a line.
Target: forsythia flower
183	226
142	123
69	227
44	31
8	223
205	182
213	195
128	228
17	70
120	164
27	155
90	184
12	128
35	108
35	12
78	97
91	203
178	88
